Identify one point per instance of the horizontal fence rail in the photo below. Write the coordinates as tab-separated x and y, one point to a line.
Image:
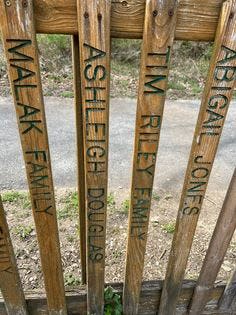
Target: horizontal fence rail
196	20
149	299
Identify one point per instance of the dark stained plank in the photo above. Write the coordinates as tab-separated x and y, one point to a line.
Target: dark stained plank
94	45
19	39
158	36
215	102
80	154
150	297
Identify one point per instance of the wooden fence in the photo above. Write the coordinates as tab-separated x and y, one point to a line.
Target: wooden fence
159	23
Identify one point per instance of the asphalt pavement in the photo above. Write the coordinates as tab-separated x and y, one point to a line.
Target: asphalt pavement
176	137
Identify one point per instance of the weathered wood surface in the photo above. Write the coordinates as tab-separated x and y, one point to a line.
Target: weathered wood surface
149	299
219	244
80	154
216	98
19	39
228	299
197	19
94	45
160	22
10	283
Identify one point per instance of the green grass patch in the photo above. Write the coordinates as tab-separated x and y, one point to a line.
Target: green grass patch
23	231
125	206
71	280
169	227
69	208
19	198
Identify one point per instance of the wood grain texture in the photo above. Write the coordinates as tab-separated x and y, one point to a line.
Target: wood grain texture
158	36
228	298
10	283
215	102
19	40
80	154
219	244
197	19
149	299
94	44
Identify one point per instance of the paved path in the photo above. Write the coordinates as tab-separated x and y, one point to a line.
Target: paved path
178	126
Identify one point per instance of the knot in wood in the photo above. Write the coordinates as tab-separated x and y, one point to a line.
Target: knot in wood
8	3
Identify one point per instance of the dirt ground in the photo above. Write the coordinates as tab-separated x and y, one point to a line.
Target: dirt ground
161	227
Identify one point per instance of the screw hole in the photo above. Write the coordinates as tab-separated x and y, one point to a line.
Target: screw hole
8	3
171	12
154	13
231	15
24	3
124	3
86	15
99	16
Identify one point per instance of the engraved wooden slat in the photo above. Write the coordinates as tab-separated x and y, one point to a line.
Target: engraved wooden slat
22	58
220	241
228	299
94	44
216	98
80	154
197	19
10	284
160	22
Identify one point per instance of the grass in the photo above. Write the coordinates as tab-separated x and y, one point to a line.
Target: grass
169	227
125	206
69	207
71	280
20	198
23	231
111	200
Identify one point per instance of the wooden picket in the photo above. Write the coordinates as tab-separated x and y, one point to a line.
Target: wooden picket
19	40
10	284
91	24
216	252
160	22
94	45
216	99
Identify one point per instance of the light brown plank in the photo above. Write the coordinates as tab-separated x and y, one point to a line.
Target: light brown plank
80	153
160	22
219	244
22	58
10	283
197	19
216	98
228	299
94	44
